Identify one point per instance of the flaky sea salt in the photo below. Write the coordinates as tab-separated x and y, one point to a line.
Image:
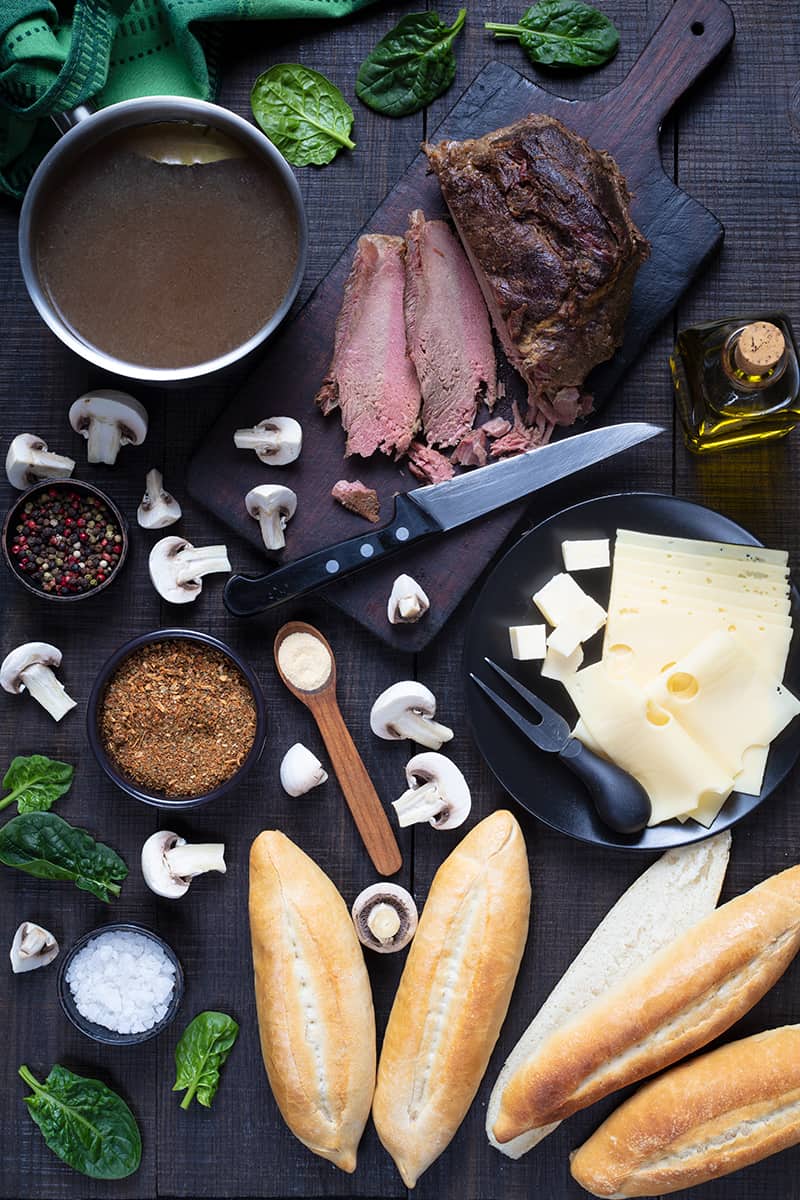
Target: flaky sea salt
122	981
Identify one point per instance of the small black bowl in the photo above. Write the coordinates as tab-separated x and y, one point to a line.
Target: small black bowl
16	513
99	1033
93	708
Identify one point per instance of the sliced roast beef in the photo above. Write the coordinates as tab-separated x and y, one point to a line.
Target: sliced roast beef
521	436
545	221
358	498
428	465
497	427
448	331
371	377
471	450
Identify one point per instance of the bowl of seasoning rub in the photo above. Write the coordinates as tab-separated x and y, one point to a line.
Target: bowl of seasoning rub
176	718
64	540
120	985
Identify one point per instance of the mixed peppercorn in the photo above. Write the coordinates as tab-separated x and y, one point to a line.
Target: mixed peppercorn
66	542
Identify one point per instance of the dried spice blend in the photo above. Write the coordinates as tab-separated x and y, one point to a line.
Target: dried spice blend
178	718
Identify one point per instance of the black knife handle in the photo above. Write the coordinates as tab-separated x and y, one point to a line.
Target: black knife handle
246	595
620	800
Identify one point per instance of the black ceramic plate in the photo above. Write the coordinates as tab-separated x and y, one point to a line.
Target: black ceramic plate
538	781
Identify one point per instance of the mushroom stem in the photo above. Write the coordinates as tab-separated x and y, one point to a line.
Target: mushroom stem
46	689
423	730
46	465
104	441
272	527
418	804
257	439
187	861
33	940
198	561
383	921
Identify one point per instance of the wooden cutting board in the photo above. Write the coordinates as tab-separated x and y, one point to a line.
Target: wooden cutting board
683	234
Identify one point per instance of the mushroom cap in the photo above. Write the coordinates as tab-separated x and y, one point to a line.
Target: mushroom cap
300	770
269	497
155	869
29	962
23	657
108	404
291	435
163	566
400	900
16	458
400	698
430	767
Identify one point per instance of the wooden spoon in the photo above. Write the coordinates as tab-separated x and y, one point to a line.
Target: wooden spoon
362	799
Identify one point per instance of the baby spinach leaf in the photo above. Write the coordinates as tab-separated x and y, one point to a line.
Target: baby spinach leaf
302	113
563	33
412	65
36	782
87	1125
199	1056
43	845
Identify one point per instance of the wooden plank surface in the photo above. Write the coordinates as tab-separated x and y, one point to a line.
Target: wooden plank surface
683	235
735	150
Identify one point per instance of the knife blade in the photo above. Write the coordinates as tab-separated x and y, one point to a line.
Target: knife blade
433	509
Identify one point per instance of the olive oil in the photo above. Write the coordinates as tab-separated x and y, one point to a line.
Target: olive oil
736	381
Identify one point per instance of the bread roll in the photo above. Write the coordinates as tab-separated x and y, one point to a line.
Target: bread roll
676	892
678	1001
453	994
314	1002
701	1120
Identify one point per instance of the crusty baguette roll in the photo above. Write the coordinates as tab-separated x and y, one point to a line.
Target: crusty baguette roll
314	1002
678	1001
676	892
454	994
701	1120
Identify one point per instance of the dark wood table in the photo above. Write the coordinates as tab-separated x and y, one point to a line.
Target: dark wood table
735	145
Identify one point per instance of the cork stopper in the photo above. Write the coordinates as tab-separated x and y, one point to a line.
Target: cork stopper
759	348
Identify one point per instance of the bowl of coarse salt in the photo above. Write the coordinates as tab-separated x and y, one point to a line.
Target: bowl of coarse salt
120	984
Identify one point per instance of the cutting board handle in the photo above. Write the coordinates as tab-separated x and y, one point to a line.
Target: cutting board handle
691	37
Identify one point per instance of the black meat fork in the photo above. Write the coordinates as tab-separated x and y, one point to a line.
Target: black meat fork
620	800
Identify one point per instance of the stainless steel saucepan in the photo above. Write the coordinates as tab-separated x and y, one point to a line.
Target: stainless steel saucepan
82	128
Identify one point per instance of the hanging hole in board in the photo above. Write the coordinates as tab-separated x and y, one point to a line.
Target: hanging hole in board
698	28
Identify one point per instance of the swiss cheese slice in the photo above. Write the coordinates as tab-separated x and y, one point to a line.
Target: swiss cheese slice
677	773
729	568
723	699
723	550
770	609
642	639
708	583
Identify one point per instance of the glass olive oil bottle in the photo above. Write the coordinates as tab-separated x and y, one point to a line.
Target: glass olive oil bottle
737	381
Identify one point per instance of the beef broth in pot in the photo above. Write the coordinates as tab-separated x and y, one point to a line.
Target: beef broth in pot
167	245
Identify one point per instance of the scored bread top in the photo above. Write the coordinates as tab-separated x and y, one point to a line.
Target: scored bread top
454	993
314	1001
678	1001
716	1114
673	894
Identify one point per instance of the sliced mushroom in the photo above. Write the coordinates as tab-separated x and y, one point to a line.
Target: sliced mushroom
276	440
32	947
407	601
28	459
437	793
273	507
177	568
108	419
385	917
406	710
31	666
301	770
169	863
159	507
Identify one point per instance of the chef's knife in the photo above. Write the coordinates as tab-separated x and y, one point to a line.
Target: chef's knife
434	509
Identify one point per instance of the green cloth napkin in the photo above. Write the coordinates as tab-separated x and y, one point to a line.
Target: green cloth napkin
107	50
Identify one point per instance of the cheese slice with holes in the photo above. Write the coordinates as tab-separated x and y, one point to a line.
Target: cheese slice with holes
772	609
723	699
708	583
728	568
642	639
647	741
723	550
